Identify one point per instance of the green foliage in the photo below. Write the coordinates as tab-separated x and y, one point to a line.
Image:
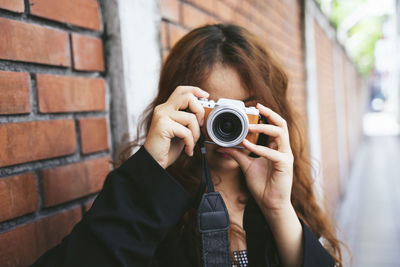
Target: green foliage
341	9
362	37
362	40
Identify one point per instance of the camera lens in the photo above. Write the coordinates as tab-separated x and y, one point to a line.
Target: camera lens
227	127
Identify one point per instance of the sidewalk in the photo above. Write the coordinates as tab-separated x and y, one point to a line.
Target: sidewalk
369	215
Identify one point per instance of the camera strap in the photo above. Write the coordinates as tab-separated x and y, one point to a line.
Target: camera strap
212	219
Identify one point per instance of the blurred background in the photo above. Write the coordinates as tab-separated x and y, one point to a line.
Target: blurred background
75	76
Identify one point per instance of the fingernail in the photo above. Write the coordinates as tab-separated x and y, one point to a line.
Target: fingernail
204	93
202	122
245	141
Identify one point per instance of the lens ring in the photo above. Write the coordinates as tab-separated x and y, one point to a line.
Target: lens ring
233	111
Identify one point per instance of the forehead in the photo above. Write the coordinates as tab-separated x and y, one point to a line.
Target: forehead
224	82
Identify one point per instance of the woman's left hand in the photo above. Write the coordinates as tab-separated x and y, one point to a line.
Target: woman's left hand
269	177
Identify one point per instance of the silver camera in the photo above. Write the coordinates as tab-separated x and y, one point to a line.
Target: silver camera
226	122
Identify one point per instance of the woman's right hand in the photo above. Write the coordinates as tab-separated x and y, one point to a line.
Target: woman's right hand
172	128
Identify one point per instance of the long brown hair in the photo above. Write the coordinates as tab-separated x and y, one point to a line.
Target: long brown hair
189	63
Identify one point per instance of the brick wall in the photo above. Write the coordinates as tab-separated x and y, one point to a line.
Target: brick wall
54	133
350	101
327	115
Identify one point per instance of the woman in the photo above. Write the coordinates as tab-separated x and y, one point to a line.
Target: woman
145	214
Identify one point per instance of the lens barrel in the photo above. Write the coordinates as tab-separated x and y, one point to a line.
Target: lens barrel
227	125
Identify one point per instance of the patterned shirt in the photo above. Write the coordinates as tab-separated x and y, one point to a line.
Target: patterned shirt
239	259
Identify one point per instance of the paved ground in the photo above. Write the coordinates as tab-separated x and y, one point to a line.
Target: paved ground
369	216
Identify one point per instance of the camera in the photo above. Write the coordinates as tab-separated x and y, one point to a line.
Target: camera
226	122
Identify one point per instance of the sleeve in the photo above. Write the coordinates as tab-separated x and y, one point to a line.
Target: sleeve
314	254
136	208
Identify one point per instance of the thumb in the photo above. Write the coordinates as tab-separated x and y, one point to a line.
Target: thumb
241	158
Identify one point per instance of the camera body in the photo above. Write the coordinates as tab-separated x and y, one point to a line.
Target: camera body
226	122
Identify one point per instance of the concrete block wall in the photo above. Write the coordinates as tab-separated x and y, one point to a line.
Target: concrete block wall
54	117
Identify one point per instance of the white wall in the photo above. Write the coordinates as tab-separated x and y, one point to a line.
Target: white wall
139	27
312	99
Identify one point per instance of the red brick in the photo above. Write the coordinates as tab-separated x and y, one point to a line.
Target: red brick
65	183
70	94
29	141
18	196
18	246
169	9
327	115
84	13
22	245
14	92
93	134
225	12
21	41
175	34
244	22
193	17
236	4
12	5
207	5
88	53
52	229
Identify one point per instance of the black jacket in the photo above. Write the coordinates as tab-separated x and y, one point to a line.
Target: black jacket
132	219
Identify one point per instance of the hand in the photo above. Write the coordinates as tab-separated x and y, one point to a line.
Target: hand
172	129
269	177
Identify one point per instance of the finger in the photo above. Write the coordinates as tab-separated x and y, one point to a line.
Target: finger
241	158
184	133
182	89
189	101
272	116
280	135
189	120
263	151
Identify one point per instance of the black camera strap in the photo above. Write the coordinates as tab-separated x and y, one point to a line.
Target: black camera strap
212	219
